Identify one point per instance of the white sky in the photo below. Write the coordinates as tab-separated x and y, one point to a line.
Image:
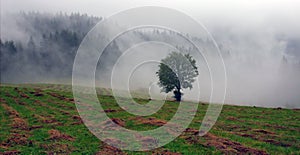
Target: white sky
193	7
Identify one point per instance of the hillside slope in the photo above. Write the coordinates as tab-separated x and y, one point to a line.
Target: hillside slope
37	119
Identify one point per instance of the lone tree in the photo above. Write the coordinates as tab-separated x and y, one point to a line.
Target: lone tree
177	71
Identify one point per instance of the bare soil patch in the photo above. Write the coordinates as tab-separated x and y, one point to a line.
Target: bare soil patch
61	97
57	148
224	145
12	113
46	119
35	127
37	92
110	110
264	136
150	121
13	152
233	127
15	138
52	108
57	135
2	100
164	152
147	141
263	131
117	121
228	147
8	95
19	123
23	95
77	119
231	118
278	143
109	150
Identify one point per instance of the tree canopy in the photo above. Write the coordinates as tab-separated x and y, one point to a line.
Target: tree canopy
176	72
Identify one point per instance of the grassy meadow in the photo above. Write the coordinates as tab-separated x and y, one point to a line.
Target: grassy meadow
42	119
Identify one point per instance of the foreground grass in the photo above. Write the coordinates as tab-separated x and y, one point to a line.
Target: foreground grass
42	119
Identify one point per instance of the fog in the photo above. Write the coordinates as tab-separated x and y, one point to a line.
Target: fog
259	42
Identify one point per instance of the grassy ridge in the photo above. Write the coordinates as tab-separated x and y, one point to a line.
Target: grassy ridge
43	119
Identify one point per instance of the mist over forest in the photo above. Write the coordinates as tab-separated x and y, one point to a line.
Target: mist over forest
262	69
39	47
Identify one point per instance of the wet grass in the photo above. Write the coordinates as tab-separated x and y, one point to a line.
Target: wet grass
239	129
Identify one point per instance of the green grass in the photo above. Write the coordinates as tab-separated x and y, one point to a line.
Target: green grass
274	131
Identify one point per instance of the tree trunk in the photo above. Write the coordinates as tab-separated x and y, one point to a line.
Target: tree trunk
177	95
